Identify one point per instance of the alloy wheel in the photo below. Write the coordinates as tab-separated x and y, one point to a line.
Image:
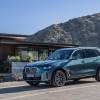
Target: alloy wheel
60	78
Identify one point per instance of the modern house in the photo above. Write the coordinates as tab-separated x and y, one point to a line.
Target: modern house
17	45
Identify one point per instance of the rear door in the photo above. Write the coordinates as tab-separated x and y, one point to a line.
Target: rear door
91	61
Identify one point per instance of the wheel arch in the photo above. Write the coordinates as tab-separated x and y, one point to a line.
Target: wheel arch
61	70
98	68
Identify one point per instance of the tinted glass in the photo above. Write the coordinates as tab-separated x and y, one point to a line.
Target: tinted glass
90	53
79	54
60	55
97	52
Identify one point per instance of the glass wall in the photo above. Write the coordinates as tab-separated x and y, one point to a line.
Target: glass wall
22	52
43	54
33	54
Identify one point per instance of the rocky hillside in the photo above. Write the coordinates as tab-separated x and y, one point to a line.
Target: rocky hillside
84	31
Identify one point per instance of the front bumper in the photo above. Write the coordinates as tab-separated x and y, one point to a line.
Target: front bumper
40	75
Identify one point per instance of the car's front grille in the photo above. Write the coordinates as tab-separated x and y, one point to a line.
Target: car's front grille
30	70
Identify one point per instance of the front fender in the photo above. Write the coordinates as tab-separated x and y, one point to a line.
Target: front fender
58	68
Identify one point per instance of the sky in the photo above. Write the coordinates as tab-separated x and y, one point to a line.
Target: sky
29	16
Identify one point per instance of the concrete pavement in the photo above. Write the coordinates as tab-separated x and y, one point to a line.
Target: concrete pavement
87	89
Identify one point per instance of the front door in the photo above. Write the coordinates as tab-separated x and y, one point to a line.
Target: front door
76	66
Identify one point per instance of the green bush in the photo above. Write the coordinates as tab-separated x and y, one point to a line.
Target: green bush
14	58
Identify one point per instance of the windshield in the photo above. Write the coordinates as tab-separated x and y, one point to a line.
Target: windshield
60	55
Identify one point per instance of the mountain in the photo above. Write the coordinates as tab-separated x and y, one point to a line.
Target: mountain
84	31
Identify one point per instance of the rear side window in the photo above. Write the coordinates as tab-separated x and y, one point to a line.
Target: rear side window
90	53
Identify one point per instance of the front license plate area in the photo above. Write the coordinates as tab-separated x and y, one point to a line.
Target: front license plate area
30	75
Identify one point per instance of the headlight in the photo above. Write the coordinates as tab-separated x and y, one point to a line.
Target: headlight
48	67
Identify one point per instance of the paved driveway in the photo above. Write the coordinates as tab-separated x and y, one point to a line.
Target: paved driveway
87	89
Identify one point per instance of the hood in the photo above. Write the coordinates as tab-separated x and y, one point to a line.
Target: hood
47	63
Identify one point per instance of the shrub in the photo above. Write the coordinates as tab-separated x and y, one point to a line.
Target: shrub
14	58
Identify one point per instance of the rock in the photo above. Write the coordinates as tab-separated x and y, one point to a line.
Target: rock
84	31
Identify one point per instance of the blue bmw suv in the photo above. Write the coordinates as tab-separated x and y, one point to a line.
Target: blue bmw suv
63	65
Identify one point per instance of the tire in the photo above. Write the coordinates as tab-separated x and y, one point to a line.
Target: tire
31	83
97	77
58	78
